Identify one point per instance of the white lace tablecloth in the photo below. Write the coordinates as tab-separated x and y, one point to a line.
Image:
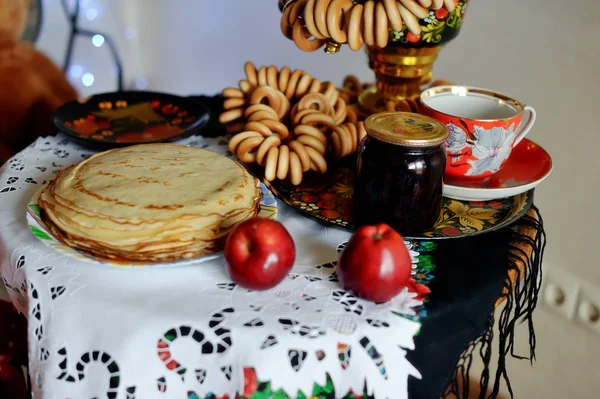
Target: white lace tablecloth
187	331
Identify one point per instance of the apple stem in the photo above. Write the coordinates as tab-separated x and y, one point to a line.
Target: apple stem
377	236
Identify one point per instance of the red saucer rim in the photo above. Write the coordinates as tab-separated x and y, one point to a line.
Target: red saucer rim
475	187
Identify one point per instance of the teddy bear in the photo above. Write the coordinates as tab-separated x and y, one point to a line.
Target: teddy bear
32	87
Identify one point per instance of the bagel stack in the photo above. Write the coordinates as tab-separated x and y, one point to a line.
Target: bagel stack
288	122
149	203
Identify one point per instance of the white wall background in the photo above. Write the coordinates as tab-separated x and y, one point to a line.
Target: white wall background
543	52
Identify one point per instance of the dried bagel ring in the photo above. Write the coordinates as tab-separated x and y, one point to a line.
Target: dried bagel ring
269	94
412	23
283	163
284	77
368	22
307	130
340	112
259	127
340	142
303	85
265	146
336	145
251	74
233	102
351	115
245	86
450	5
272	78
231	115
395	20
345	139
415	8
355	36
271	163
290	90
318	118
245	150
260	116
277	127
262	76
298	115
347	95
258	107
297	9
310	141
232	92
351	127
381	26
301	38
285	105
295	171
437	4
286	27
335	19
315	86
299	149
317	160
238	138
320	14
351	82
309	19
316	101
330	92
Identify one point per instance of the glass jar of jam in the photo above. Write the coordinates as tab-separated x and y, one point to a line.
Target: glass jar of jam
400	170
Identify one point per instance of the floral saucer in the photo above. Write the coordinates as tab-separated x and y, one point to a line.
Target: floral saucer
528	165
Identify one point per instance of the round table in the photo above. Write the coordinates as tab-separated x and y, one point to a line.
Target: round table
187	330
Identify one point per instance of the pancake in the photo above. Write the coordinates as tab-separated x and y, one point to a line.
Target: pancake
150	202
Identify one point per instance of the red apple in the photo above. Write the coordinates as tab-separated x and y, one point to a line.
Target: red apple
260	253
375	265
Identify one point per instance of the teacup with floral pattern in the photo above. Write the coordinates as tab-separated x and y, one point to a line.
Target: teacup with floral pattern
484	128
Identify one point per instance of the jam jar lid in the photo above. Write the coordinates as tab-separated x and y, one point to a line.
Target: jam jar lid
407	129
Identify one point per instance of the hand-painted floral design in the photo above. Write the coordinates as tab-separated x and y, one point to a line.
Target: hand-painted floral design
328	198
437	27
492	147
459	218
129	118
456	142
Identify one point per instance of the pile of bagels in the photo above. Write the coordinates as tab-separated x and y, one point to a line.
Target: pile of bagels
289	122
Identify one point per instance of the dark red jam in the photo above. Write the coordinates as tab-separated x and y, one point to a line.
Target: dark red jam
400	182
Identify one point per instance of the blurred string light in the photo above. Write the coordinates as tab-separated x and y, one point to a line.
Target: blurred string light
87	79
98	40
91	14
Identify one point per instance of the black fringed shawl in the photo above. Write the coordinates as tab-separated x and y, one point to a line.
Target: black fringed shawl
473	276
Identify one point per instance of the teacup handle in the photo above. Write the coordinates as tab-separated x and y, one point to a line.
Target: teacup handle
525	128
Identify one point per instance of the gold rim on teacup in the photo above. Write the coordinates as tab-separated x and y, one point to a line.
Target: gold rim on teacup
464	91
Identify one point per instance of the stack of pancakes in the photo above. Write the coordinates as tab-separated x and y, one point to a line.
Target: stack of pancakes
149	203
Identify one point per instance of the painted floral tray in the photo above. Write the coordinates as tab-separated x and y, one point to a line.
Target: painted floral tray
132	117
328	198
268	209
